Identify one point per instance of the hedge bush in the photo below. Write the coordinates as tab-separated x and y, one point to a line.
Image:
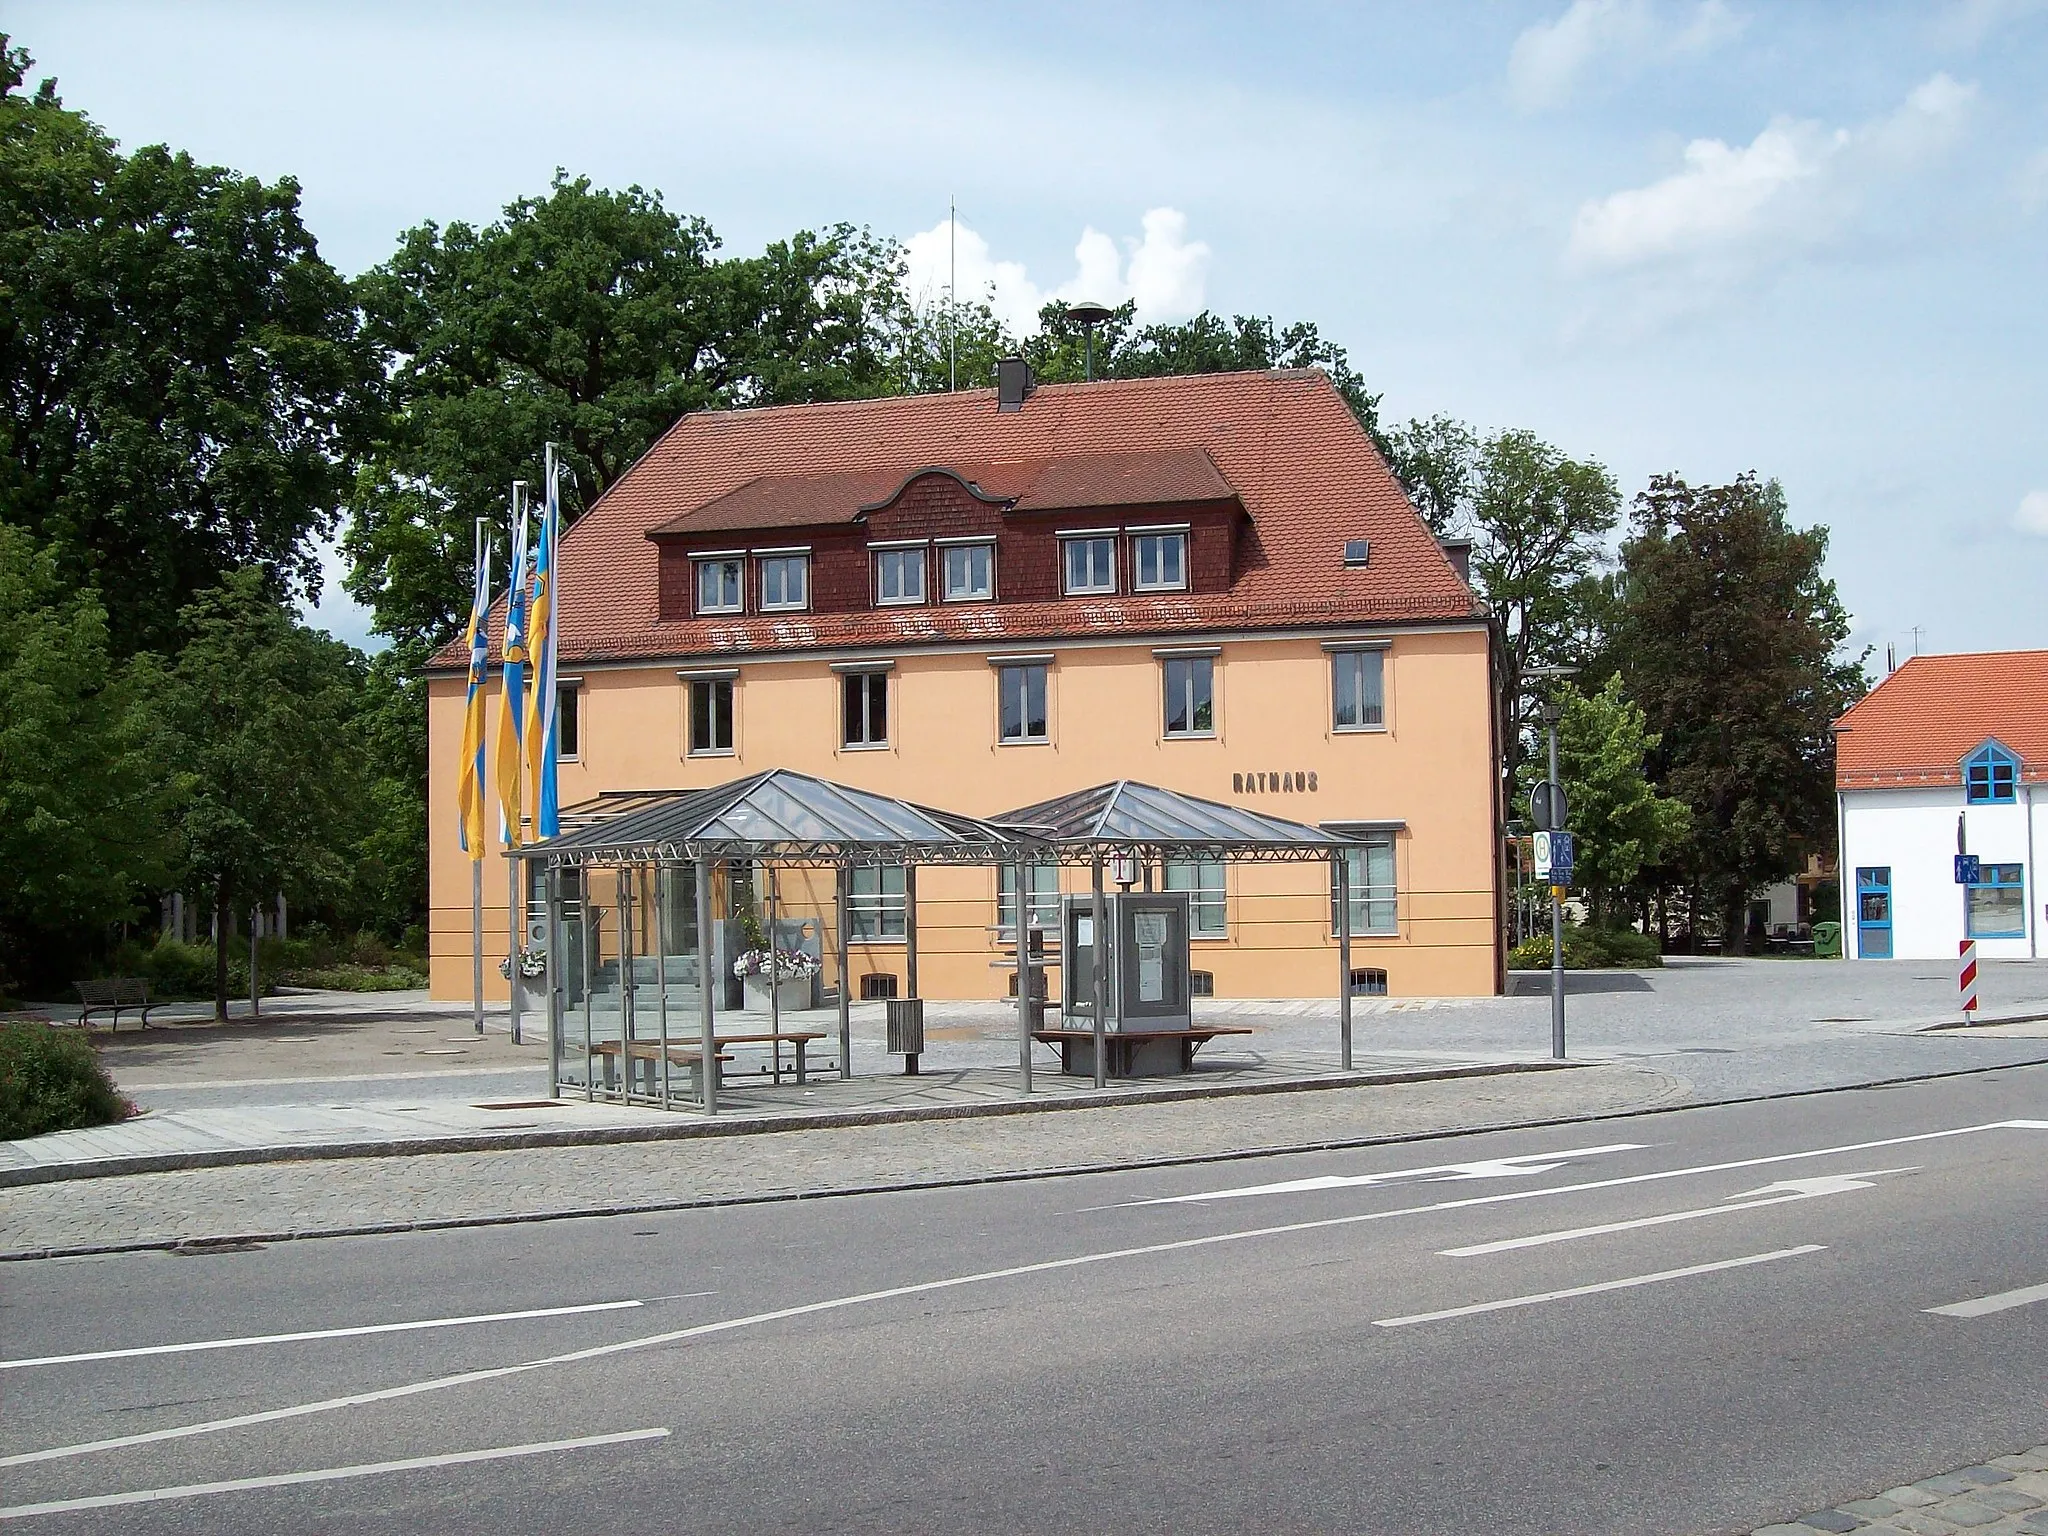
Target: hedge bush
1589	949
51	1080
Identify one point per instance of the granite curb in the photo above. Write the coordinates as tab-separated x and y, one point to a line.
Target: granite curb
692	1129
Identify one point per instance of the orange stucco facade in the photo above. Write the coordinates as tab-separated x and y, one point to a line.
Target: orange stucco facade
1426	778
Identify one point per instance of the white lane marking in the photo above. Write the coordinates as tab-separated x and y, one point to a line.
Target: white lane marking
323	1475
925	1287
1783	1193
1985	1305
327	1333
1594	1290
1522	1166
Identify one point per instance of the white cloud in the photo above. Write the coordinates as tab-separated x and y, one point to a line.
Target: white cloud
1794	184
1551	59
2032	516
1162	270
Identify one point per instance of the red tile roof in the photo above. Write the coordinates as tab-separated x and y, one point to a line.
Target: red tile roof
1283	441
1918	725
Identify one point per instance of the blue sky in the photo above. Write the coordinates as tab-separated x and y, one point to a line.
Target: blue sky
1807	240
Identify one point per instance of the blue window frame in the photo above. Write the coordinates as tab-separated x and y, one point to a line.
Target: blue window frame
1990	774
1874	913
1998	903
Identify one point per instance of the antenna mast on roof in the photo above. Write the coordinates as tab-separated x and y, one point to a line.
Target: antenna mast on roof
952	295
1916	639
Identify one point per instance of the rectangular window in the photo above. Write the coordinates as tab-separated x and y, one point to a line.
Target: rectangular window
867	709
1358	685
899	575
1203	881
875	908
1090	565
710	716
785	582
1162	562
1045	898
1998	903
718	586
568	722
970	572
1022	690
1190	697
1371	869
1990	773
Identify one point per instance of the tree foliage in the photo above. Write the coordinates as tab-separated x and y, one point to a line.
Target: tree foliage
1620	823
182	383
593	319
257	722
81	808
1730	638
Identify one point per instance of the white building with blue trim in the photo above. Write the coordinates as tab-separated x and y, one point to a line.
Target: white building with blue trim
1941	774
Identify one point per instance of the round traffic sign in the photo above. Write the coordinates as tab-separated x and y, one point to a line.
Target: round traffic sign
1547	809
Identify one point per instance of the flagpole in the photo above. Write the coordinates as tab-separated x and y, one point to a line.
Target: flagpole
512	924
476	864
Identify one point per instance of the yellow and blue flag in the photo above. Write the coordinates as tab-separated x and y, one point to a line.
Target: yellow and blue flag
512	705
543	750
470	787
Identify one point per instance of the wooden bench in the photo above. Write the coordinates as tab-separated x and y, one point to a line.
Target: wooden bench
1134	1052
643	1061
685	1051
798	1039
115	992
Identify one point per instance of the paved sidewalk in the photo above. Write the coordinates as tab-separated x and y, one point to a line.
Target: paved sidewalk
2006	1496
276	1201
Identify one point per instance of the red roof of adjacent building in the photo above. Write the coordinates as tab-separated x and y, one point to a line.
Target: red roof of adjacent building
1918	725
1283	443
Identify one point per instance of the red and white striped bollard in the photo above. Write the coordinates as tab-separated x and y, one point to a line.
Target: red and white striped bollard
1966	975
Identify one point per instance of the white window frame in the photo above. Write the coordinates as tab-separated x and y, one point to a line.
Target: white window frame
703	564
878	913
692	748
1192	733
1208	902
912	557
1160	539
1375	908
1025	738
1045	898
785	560
1354	656
987	593
1068	543
868	742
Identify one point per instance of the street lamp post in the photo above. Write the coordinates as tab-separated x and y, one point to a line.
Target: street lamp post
1550	714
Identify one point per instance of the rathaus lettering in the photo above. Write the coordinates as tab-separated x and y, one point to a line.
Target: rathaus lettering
1272	783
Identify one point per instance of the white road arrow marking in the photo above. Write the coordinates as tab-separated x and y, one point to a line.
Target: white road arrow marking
1524	1166
1784	1193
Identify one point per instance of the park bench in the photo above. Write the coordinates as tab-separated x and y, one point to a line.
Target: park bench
115	992
798	1040
1134	1052
643	1058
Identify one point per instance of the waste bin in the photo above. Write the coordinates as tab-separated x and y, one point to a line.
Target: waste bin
906	1030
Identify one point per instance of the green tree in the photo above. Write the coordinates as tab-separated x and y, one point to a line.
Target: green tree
1206	344
1730	637
257	717
593	319
1620	823
81	804
182	383
1437	463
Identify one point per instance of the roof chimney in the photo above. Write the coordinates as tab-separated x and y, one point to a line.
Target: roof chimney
1013	383
1459	553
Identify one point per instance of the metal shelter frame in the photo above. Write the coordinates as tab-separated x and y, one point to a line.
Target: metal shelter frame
781	818
785	818
1158	825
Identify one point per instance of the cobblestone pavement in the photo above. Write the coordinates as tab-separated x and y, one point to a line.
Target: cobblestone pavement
282	1199
2006	1496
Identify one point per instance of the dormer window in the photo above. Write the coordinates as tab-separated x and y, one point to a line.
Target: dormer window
1160	561
970	572
785	581
1089	565
899	576
1990	774
720	584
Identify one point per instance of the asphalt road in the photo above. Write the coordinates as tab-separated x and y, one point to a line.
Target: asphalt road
1746	1337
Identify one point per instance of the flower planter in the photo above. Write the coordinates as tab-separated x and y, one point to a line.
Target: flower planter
794	992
